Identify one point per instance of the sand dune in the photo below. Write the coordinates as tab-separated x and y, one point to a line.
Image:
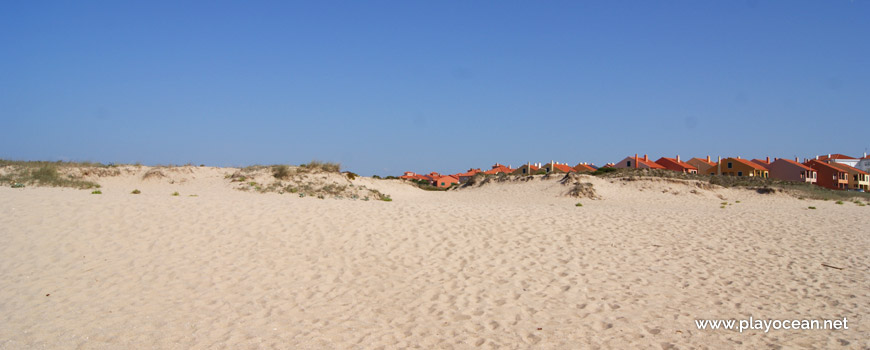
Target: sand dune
506	265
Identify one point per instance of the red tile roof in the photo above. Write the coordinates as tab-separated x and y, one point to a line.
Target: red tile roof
704	160
749	164
835	156
583	167
847	168
563	167
680	163
816	163
761	162
499	169
796	163
650	164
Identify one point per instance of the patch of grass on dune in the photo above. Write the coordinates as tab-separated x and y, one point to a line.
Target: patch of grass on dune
42	174
316	165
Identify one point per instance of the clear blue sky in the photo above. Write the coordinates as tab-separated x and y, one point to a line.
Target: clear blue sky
384	87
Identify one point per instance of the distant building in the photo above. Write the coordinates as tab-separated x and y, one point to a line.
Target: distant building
676	164
463	177
789	170
863	164
738	167
553	167
838	158
410	175
701	164
499	169
829	175
446	181
528	169
584	167
637	163
858	180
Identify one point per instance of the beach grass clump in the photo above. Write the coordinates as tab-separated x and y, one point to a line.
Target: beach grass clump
281	172
45	174
175	194
17	185
97	192
136	192
316	165
839	202
351	175
578	205
813	208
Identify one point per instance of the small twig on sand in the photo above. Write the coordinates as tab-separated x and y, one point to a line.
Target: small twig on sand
833	267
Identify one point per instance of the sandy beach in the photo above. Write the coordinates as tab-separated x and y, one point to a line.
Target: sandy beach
513	265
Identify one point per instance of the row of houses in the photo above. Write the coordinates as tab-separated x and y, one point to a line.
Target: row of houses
834	171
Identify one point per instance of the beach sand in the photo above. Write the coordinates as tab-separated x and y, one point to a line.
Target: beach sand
501	266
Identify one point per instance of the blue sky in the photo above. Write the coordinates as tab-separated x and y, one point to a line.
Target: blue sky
384	87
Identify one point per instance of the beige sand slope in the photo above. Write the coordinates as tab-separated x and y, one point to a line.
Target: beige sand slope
512	265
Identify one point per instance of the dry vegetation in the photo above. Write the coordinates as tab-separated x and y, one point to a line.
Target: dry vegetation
52	174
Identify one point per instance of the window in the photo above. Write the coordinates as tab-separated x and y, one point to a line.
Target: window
729	165
628	164
739	173
442	184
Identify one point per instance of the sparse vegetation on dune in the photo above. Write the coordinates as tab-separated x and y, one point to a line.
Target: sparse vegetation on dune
44	174
316	165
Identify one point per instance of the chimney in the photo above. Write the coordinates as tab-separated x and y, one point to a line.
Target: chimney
768	159
796	159
678	158
817	157
738	157
708	159
829	156
719	165
645	158
635	160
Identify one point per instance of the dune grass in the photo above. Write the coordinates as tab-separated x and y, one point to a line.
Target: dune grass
43	174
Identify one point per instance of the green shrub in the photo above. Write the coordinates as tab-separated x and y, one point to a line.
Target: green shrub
812	208
839	202
578	205
17	185
136	192
97	192
175	194
351	175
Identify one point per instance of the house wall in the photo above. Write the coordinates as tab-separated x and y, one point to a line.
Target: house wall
783	170
670	165
736	169
702	166
863	164
446	182
829	178
628	163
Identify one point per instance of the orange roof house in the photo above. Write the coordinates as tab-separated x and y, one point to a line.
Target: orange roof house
410	175
446	181
466	175
637	163
553	167
702	164
838	158
787	169
738	167
583	167
829	175
676	164
527	169
858	179
498	168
